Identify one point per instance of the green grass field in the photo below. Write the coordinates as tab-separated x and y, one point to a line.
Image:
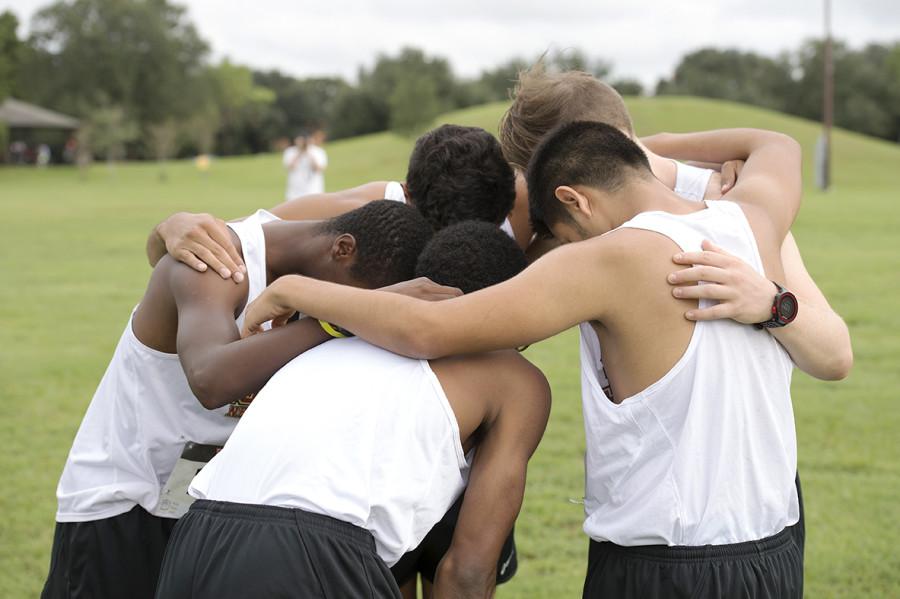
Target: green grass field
72	266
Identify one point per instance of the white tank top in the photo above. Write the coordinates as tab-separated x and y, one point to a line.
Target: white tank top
142	414
691	181
394	191
706	454
350	431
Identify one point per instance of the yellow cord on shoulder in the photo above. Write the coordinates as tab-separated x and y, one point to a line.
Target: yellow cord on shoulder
329	328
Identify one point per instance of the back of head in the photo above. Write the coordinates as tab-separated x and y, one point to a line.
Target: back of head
580	153
389	238
458	173
471	256
542	101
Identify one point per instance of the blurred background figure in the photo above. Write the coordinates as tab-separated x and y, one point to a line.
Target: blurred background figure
298	162
43	155
319	160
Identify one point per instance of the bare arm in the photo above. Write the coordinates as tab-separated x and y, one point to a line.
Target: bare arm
201	240
495	490
327	205
818	339
561	289
771	175
219	365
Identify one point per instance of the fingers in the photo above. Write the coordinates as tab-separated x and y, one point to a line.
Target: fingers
712	255
224	248
716	312
709	246
695	274
731	170
280	321
709	291
186	257
207	256
441	294
729	177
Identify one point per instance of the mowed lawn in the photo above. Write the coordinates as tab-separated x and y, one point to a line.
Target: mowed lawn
72	266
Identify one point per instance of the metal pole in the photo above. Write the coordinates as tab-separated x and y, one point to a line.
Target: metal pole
827	98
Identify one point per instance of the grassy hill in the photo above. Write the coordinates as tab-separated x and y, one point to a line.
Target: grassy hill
72	266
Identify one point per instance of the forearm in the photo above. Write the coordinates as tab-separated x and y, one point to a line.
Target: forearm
818	339
328	205
156	246
385	319
818	342
710	146
229	372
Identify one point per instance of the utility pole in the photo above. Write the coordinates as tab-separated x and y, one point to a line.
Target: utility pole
823	153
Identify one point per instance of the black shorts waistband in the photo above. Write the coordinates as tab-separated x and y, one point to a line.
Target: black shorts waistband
291	516
747	549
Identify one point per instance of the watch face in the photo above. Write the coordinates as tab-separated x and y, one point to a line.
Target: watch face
787	308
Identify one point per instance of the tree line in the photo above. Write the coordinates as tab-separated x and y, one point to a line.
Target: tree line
139	76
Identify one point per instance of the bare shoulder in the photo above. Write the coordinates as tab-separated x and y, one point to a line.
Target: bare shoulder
367	192
189	286
622	248
502	373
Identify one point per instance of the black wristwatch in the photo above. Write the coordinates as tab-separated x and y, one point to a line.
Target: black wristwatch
784	309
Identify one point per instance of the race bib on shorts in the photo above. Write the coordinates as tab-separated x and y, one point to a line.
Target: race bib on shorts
174	500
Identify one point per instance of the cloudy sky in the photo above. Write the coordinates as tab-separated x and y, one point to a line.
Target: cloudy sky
643	39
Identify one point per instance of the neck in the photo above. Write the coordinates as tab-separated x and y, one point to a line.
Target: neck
292	247
664	169
646	195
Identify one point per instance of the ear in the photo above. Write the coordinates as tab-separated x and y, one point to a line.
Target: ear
343	247
574	200
406	194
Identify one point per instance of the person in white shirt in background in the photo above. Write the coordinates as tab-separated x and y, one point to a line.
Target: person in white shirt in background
303	161
319	160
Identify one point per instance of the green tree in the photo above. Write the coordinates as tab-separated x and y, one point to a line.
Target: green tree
140	55
413	105
628	86
499	81
301	103
732	75
110	130
428	79
244	108
358	112
162	139
10	52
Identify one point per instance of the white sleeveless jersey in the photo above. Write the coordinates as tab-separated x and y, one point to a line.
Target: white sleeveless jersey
690	184
706	454
691	181
351	431
142	414
394	191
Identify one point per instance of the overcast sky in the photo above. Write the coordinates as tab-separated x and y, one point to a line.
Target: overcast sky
643	39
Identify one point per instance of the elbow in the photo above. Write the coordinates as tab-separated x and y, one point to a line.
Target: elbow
840	366
836	366
785	141
471	578
423	337
207	388
422	345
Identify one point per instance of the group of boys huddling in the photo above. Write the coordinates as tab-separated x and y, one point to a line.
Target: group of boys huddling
386	432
